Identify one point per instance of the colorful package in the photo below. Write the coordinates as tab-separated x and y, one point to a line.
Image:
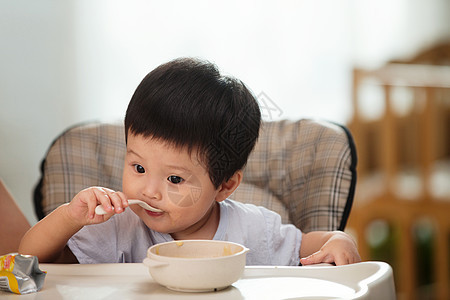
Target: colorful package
20	274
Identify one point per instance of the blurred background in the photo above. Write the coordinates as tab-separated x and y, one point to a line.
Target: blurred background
379	67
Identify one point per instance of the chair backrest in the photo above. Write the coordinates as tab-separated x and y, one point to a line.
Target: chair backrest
304	170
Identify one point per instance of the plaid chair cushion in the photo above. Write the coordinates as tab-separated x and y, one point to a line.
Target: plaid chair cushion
304	170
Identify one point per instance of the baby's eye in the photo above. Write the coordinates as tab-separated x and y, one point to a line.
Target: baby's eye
175	179
139	168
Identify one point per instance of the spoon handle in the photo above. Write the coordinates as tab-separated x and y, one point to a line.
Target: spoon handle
99	210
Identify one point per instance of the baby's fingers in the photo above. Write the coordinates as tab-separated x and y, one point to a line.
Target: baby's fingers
346	258
316	258
342	260
339	259
118	200
110	201
102	197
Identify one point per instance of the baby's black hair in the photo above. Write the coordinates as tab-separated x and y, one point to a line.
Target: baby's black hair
188	103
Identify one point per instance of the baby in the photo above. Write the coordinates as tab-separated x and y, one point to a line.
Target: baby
189	131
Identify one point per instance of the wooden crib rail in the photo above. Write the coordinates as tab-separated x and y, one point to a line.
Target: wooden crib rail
381	148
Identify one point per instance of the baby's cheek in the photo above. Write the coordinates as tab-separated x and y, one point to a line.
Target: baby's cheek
129	188
184	195
175	218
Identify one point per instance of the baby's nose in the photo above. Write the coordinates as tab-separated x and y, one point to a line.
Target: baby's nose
152	191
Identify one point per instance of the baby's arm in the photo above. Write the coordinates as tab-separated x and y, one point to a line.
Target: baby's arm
48	238
328	247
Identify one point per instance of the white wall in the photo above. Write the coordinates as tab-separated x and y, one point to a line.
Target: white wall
63	62
37	97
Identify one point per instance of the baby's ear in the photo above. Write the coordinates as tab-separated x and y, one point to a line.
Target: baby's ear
228	187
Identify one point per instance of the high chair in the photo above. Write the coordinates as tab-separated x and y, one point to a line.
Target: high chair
304	170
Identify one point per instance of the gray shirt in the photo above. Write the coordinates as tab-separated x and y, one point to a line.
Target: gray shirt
125	238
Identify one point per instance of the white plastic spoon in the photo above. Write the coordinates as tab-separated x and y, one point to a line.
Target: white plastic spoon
100	211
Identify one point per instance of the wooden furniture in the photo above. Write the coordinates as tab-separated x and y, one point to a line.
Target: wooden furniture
404	165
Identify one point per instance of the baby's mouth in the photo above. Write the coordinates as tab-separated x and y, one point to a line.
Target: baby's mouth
153	209
154	212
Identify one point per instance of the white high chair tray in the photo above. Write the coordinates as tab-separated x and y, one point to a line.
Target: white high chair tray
366	280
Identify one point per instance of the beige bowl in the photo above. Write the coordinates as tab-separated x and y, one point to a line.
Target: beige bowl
196	265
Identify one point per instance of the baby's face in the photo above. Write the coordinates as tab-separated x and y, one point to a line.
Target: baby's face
171	180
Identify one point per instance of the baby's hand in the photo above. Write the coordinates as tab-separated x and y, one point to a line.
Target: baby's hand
339	249
82	207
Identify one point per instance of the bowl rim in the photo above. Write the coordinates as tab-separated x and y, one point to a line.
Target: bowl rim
156	256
